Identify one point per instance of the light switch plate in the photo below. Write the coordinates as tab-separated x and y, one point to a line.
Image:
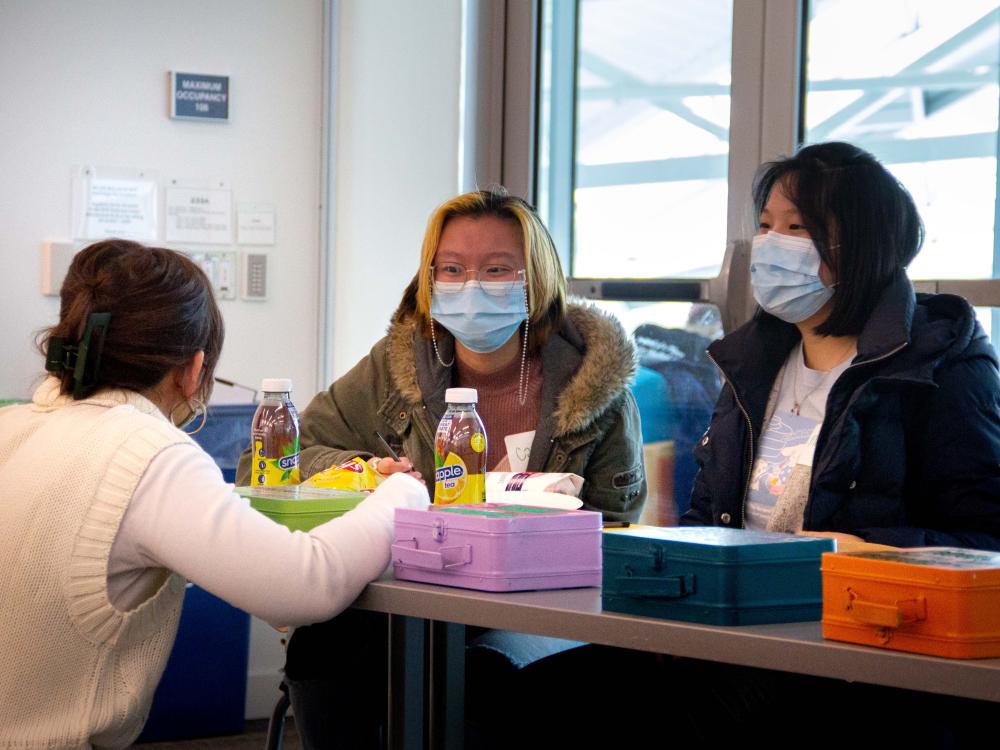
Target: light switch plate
254	277
220	267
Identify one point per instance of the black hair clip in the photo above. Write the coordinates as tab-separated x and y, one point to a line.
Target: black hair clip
83	359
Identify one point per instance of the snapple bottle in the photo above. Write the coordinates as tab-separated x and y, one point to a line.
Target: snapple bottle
460	451
275	436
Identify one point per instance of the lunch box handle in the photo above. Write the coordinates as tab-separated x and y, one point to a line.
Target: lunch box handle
406	553
667	587
882	615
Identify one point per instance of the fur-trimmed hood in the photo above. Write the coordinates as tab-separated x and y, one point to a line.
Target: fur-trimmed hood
603	369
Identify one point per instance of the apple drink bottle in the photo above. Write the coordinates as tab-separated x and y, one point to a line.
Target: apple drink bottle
460	451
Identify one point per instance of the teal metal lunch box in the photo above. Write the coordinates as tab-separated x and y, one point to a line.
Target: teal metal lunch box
713	575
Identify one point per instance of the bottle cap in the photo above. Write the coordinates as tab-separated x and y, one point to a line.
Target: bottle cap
461	396
276	385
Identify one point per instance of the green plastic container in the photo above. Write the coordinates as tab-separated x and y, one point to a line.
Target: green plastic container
301	507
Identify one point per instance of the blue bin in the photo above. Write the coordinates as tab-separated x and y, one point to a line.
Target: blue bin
659	421
203	690
226	434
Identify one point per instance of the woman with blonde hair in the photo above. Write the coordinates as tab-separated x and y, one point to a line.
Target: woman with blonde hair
487	310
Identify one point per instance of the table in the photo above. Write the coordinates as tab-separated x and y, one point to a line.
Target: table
427	652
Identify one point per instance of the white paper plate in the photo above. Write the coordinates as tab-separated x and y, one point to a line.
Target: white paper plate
537	499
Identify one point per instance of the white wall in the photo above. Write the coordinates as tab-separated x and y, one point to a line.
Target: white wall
85	83
396	154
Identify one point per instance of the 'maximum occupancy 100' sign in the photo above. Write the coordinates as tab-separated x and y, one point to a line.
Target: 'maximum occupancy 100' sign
194	96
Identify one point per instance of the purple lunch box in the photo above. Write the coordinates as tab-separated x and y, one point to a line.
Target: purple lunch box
494	547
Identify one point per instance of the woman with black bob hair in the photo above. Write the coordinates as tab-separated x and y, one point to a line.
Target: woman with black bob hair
108	506
851	406
863	223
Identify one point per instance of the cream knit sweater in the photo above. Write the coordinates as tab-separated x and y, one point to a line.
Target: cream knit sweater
73	669
105	489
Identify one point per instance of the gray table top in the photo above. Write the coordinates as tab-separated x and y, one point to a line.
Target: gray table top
790	647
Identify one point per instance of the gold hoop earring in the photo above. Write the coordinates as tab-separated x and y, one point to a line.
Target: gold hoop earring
198	410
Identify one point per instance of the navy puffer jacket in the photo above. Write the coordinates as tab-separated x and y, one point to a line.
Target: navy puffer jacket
909	451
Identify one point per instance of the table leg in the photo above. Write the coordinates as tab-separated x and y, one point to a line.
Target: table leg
446	686
406	684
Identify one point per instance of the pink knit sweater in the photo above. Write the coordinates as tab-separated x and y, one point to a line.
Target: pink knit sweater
498	405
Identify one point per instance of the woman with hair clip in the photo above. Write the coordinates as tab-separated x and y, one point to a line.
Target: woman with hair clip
108	506
486	310
851	406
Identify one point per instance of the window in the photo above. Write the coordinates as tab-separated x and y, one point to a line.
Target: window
635	142
634	162
919	90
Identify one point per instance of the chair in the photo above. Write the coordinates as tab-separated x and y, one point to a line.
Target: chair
276	724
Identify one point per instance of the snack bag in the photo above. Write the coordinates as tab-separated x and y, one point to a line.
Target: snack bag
355	474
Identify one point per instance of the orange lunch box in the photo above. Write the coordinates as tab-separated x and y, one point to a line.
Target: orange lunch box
941	601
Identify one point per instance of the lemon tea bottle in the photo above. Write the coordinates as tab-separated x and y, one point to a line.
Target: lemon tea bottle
275	436
460	451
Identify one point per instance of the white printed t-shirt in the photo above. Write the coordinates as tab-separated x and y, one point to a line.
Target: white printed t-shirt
789	439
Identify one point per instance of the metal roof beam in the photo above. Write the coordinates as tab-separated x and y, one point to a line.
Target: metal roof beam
871	99
714	167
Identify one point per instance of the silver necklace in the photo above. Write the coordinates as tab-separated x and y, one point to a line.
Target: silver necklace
798	401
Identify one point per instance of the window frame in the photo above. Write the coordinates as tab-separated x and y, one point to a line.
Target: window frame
767	98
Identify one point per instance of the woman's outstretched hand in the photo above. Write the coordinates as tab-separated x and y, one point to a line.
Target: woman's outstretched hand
386	466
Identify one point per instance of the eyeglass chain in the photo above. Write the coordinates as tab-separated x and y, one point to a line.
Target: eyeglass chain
437	352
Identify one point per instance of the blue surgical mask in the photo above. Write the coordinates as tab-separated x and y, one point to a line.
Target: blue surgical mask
784	273
482	322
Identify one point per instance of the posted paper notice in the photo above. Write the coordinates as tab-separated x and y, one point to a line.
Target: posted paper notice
110	207
255	224
201	216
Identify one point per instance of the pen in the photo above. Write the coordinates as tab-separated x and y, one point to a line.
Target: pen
387	446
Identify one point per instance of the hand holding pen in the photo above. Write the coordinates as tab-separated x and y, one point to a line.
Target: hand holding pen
392	463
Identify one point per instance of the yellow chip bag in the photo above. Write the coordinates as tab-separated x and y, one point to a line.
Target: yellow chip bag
355	474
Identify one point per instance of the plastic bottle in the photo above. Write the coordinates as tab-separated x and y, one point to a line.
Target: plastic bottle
460	451
275	436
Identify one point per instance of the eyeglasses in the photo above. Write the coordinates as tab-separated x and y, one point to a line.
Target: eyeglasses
495	280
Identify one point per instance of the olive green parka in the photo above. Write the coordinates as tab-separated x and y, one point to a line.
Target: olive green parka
588	423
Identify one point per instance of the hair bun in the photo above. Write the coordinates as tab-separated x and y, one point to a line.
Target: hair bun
162	306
